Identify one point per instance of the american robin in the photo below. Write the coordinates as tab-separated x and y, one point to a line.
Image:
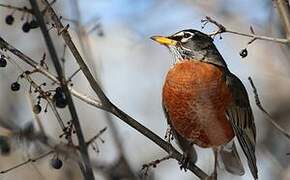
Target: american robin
205	104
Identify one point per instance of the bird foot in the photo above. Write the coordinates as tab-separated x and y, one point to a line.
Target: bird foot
168	134
184	163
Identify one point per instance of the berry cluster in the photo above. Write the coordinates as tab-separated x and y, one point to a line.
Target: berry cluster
26	27
68	130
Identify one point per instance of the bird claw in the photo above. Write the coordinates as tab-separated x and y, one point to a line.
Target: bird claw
168	135
184	163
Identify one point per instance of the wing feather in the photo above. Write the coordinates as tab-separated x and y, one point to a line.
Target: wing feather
242	119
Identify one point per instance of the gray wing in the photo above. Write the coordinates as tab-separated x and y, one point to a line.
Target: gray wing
242	119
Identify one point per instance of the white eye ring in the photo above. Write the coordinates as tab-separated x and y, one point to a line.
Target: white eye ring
186	36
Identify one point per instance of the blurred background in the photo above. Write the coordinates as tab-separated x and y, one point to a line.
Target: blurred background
113	36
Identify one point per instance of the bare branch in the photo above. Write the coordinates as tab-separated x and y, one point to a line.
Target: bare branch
88	173
26	162
283	9
260	106
85	69
34	64
22	9
87	54
223	29
96	136
146	167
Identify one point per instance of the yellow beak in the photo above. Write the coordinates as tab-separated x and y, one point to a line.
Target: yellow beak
164	40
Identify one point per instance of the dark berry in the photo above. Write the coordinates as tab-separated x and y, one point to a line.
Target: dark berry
3	61
56	163
59	90
26	27
60	101
59	98
15	86
9	19
37	109
4	146
33	24
244	53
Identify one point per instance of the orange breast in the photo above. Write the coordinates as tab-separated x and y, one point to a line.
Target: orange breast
196	98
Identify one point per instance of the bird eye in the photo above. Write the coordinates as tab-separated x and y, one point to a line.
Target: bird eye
186	35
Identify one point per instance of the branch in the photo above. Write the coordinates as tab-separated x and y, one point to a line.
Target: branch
260	106
96	136
34	64
85	69
223	29
146	167
283	9
110	107
21	9
87	52
25	162
88	174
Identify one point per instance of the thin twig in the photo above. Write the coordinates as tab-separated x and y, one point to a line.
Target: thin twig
26	162
96	136
284	11
68	40
73	74
21	9
87	51
146	167
260	106
88	174
223	29
5	45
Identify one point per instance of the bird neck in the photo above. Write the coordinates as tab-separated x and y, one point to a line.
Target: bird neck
207	54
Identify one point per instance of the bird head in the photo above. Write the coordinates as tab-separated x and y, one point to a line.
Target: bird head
187	44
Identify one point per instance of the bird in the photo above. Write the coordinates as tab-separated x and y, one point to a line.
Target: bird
205	104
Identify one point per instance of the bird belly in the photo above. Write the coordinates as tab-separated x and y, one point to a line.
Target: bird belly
196	97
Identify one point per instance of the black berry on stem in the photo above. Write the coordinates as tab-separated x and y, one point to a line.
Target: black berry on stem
244	53
9	19
15	86
3	61
26	27
59	98
56	163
